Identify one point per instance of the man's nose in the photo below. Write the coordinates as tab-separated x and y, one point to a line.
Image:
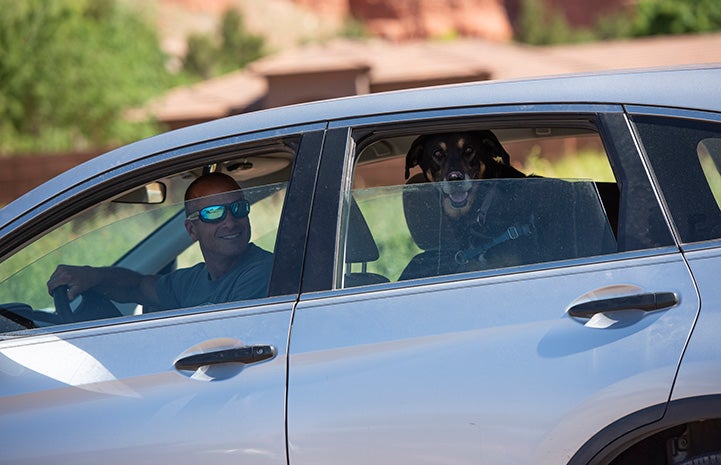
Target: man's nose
232	219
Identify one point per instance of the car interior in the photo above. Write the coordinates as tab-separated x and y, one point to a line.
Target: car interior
393	229
396	228
141	229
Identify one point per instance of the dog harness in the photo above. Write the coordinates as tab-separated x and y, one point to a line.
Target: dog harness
511	233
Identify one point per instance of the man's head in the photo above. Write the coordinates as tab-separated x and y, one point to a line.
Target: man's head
217	217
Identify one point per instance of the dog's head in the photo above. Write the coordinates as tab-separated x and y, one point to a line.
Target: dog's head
455	159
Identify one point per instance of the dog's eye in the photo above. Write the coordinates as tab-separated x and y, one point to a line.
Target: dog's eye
439	154
469	152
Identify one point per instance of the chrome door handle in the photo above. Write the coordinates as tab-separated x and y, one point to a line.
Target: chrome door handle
646	302
247	355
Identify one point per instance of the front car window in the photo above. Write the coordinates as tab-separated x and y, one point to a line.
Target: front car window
405	220
143	230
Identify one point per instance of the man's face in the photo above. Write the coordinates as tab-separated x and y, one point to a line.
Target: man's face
226	239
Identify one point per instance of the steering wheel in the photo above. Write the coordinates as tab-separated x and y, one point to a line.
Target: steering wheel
62	304
93	306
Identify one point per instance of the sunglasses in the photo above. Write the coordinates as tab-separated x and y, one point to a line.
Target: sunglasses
216	213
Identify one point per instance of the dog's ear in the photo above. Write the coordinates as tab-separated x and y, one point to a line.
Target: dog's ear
496	149
414	154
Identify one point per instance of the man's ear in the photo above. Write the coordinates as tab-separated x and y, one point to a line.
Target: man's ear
190	227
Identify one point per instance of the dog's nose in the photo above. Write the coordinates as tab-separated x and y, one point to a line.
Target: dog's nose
455	176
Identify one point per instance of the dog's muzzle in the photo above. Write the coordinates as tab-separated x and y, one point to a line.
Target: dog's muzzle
457	188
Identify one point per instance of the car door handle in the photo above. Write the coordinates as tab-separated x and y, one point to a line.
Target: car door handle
247	355
646	302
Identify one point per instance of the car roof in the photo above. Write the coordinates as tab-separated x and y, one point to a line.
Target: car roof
686	87
695	87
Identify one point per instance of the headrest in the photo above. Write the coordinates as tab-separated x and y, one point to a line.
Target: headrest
568	216
429	227
360	245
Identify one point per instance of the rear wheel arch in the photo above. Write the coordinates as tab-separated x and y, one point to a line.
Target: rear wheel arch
687	433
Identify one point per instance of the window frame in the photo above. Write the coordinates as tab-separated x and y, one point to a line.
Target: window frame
323	262
673	211
89	189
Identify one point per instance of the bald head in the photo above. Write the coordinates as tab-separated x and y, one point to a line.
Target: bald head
210	184
207	185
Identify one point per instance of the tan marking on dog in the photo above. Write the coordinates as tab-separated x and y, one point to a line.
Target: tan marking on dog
481	170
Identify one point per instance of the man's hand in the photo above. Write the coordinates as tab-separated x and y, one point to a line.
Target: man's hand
78	279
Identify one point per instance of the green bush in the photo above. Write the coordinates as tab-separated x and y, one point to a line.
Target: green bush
230	49
540	25
68	71
655	17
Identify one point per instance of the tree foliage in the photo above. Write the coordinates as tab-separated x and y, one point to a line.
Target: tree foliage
231	48
68	70
539	24
655	17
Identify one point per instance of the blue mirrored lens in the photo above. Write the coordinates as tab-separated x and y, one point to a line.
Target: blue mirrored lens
216	213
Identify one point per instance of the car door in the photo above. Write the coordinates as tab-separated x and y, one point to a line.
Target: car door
536	363
195	385
684	150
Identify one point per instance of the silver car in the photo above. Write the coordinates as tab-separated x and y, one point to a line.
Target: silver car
568	315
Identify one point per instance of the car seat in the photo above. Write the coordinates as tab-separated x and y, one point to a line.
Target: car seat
360	249
514	222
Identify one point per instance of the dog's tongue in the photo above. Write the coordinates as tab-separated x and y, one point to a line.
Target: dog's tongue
458	198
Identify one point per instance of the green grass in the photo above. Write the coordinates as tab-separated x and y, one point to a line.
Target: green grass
383	210
713	177
96	239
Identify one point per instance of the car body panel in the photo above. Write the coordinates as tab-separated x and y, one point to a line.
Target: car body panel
487	370
115	390
699	374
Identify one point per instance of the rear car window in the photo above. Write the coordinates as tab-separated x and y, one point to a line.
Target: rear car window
685	155
559	202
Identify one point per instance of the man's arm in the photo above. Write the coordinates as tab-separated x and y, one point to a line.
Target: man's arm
119	284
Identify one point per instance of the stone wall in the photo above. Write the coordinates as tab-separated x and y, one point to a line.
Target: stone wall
419	19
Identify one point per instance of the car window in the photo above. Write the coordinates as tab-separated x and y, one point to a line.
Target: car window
145	230
685	156
559	201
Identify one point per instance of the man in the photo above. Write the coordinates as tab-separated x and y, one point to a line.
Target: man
234	268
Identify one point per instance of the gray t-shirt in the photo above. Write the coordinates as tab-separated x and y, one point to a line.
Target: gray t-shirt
189	287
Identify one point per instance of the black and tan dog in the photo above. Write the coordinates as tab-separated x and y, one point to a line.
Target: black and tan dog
455	159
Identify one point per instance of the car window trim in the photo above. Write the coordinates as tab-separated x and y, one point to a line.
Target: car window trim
54	206
320	267
471	111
